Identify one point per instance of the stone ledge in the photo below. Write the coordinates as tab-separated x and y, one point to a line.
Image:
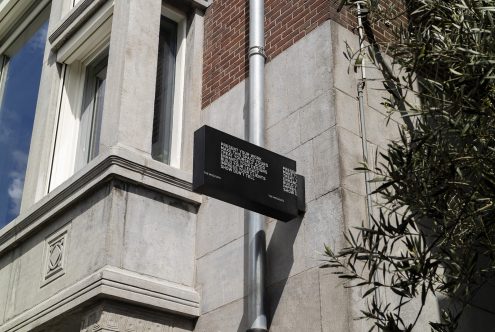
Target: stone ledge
203	4
83	12
15	16
114	283
117	162
73	21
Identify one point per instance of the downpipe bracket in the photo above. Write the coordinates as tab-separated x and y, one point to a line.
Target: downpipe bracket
361	85
257	50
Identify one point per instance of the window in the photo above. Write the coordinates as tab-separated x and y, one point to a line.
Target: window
79	124
91	112
69	5
20	73
84	58
167	120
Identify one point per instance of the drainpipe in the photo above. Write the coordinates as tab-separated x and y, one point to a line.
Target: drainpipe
257	321
360	90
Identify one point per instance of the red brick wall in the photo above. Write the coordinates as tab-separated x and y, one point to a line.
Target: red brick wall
226	36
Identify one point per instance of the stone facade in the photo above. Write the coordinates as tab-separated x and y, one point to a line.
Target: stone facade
311	116
125	245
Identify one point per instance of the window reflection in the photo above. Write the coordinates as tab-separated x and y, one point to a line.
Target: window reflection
165	88
91	112
22	73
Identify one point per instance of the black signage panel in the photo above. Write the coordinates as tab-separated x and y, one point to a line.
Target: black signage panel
241	173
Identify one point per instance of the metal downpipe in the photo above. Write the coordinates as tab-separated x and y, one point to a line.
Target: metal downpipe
257	319
360	90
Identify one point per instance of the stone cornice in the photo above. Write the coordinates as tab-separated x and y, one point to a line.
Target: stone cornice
73	21
80	14
115	283
203	4
117	162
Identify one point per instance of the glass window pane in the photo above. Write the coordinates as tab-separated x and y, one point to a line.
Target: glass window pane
91	113
165	87
17	109
97	113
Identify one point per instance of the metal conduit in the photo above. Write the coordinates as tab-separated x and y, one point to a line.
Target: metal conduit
257	319
360	90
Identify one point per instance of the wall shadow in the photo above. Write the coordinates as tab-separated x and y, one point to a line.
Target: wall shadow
279	263
280	260
477	317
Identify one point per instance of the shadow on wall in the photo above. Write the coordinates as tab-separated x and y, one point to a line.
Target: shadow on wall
280	259
480	316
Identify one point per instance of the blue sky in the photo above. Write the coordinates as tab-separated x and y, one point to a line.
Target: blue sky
16	121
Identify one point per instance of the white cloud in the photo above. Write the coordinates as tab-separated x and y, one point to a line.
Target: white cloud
5	134
37	42
16	185
20	159
15	192
7	118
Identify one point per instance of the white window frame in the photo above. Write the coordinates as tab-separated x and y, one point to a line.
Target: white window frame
73	3
76	55
90	123
68	5
3	74
177	110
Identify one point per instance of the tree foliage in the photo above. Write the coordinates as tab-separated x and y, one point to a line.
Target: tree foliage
435	231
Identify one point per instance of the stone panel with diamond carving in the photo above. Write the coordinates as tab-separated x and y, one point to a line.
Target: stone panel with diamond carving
55	255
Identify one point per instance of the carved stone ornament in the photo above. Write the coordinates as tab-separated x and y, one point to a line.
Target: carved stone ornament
55	255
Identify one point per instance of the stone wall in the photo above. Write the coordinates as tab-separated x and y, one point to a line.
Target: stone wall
107	315
301	123
120	240
312	116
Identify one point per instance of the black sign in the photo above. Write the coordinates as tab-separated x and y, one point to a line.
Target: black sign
246	175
